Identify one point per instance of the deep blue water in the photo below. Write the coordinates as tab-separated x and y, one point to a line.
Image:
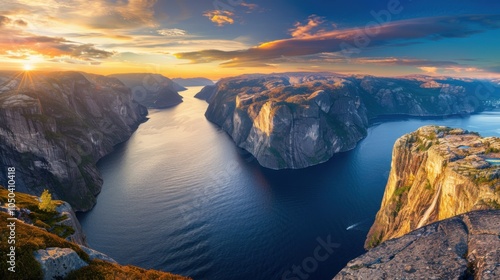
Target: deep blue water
180	197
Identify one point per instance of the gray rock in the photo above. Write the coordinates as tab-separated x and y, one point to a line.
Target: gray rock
327	113
152	90
206	93
55	141
93	254
78	237
57	263
461	247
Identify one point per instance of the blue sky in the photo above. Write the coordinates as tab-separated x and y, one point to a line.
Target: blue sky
227	37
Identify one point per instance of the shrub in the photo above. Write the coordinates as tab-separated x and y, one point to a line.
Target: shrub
46	204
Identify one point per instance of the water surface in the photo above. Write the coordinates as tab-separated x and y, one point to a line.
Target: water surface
180	197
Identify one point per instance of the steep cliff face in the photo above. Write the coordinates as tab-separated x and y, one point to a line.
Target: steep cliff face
287	125
436	173
152	90
206	93
54	127
462	247
296	120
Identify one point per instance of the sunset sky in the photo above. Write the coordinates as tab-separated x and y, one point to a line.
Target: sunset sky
188	38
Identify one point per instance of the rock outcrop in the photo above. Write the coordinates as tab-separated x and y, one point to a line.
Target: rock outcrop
152	90
54	127
462	247
57	263
296	120
287	125
40	254
193	82
436	173
206	93
71	220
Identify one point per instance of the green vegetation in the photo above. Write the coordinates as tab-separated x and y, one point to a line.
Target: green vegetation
400	191
375	240
28	240
428	185
492	150
492	204
49	220
46	204
31	238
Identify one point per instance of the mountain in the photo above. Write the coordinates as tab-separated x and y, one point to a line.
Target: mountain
152	90
295	120
437	173
462	247
54	127
193	82
206	93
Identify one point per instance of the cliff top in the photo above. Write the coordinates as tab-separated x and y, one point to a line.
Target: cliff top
467	153
462	247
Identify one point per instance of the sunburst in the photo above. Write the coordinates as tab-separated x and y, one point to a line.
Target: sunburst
28	67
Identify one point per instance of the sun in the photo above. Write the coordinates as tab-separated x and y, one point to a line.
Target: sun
27	67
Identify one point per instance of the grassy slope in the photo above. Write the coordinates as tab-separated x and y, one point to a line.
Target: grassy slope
31	238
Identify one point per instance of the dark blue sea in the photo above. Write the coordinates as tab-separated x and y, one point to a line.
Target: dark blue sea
180	197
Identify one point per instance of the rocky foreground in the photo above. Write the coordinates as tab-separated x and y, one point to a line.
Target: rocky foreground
437	173
295	120
462	247
54	127
50	245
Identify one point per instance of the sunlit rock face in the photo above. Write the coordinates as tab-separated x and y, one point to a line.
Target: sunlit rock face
436	173
289	125
54	127
296	120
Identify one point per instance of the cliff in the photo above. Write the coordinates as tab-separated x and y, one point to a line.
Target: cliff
206	93
462	247
44	248
287	125
152	90
54	127
437	173
295	120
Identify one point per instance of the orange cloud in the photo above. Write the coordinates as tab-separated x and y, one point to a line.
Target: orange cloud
15	43
220	17
306	30
341	41
427	69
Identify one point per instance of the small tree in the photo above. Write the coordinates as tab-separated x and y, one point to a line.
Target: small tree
46	204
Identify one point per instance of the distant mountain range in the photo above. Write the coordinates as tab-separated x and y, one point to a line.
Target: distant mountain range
152	90
193	82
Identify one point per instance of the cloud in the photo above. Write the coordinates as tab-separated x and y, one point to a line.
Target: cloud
430	70
346	40
20	45
172	32
220	17
99	14
20	22
306	30
250	7
4	20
